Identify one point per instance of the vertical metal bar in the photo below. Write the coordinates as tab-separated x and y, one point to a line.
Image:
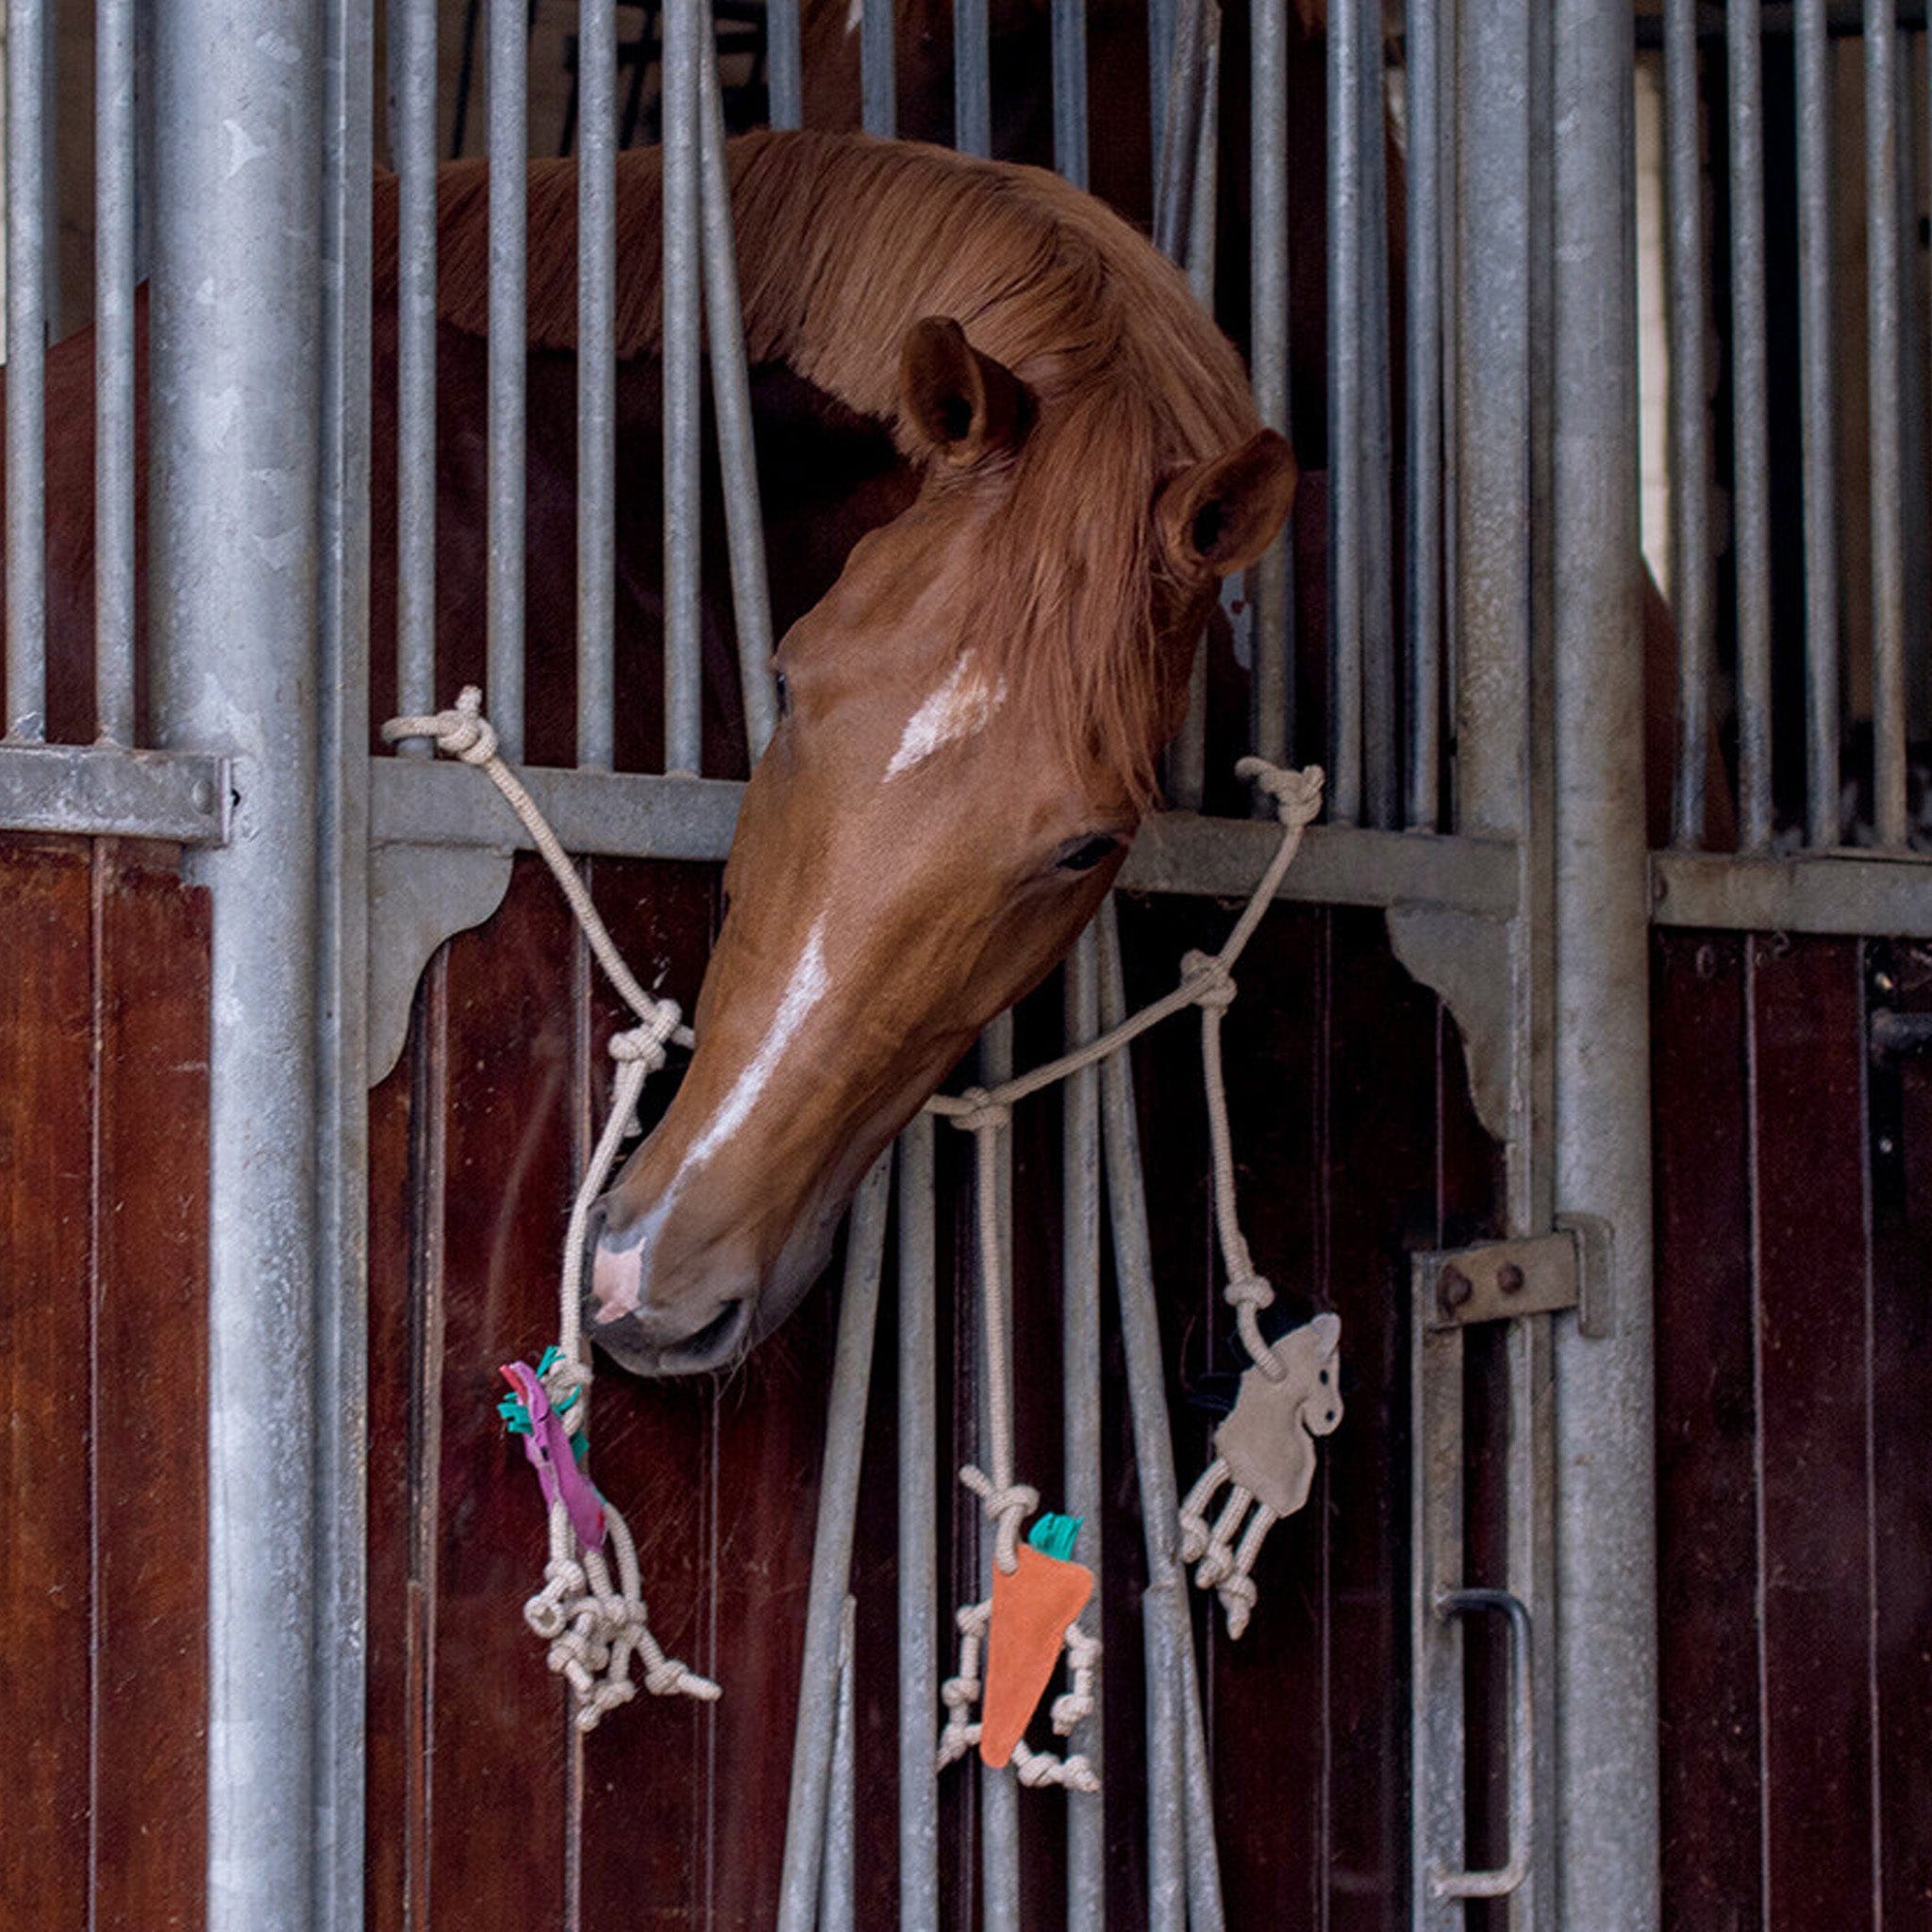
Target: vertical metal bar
509	81
1606	1631
596	382
878	76
1491	443
837	1902
1160	33
831	1557
999	1790
1183	1878
745	528
685	22
1424	477
1750	435
972	79
1173	198
1885	292
49	123
342	1380
1270	584
1082	1490
1070	90
1347	295
1188	763
26	344
785	81
1691	591
412	62
1817	378
237	459
918	1459
114	565
1382	773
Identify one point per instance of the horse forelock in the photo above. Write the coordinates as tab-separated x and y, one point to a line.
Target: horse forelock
843	243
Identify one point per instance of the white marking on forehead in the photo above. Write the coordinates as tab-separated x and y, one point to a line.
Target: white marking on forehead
962	708
855	16
808	986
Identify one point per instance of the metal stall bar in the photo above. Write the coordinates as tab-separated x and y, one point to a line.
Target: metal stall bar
1082	1485
1750	434
596	383
1347	295
1690	589
1607	1766
1272	710
412	92
1424	453
744	527
342	1355
507	63
917	1463
878	80
785	82
235	604
972	79
1819	423
27	351
999	1790
831	1558
114	408
1381	766
1070	90
1160	33
838	1899
1885	293
685	22
1183	1869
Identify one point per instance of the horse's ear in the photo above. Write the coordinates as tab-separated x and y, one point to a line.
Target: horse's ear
964	405
1217	517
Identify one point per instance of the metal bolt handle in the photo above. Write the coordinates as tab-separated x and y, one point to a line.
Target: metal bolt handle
1503	1881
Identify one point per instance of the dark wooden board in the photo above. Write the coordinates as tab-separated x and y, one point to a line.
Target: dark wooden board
1813	1378
150	1381
1706	1436
46	1361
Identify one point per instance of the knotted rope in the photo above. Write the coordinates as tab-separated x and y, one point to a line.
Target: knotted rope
593	1628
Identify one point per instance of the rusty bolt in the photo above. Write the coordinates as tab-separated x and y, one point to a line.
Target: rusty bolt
1509	1278
1453	1290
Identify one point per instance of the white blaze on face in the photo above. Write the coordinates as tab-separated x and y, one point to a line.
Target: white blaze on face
962	708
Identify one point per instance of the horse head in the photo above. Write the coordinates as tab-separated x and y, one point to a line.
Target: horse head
967	743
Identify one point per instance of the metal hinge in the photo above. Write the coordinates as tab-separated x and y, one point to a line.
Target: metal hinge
1500	1280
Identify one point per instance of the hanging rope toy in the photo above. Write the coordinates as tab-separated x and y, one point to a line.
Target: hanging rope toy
594	1627
1265	1451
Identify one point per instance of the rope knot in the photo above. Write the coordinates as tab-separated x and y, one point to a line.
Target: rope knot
1248	1292
1211	983
463	732
645	1044
1297	795
979	1110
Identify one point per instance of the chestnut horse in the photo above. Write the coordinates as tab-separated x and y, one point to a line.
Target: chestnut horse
970	719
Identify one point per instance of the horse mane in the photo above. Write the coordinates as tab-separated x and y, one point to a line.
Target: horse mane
843	243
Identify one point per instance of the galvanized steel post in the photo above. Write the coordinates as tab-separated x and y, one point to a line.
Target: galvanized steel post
1606	1635
233	572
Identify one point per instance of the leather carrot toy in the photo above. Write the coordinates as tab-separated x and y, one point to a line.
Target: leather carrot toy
1032	1612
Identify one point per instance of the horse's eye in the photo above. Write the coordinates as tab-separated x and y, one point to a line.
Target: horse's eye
784	691
1083	854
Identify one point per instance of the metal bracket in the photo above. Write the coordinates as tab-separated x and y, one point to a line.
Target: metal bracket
1465	959
102	791
420	895
1500	1279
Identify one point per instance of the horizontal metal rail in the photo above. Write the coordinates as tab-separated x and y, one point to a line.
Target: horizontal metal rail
104	791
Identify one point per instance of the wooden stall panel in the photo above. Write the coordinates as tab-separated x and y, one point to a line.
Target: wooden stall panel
1814	1388
1707	1437
150	1382
46	1357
